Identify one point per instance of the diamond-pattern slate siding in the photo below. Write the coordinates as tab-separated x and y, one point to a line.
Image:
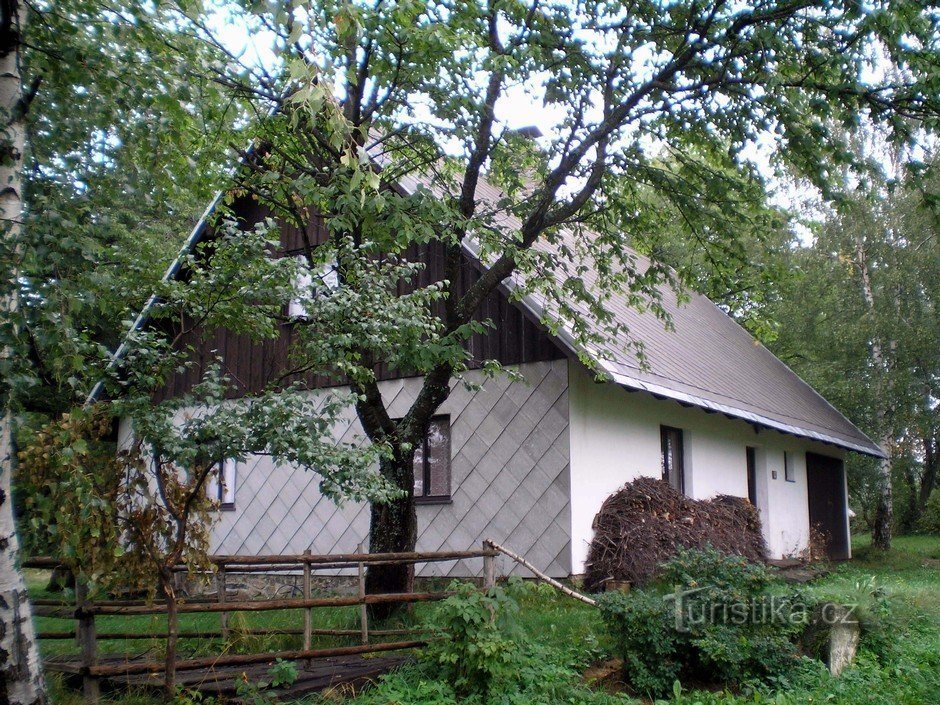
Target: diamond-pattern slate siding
509	482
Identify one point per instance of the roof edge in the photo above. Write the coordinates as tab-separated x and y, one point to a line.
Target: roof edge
567	340
633	384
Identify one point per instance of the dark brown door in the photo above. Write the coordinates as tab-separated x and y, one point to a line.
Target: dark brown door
825	478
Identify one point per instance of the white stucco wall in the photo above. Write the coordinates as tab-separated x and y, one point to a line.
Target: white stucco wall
615	438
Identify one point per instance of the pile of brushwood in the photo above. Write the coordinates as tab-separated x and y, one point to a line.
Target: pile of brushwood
640	526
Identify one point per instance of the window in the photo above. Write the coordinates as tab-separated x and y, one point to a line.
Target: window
751	454
789	472
432	463
312	283
673	466
220	485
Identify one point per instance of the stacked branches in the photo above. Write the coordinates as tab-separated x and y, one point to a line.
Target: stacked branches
640	526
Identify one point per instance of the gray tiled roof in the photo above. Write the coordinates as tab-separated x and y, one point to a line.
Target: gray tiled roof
706	360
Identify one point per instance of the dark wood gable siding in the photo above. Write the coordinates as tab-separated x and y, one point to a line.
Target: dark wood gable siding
253	365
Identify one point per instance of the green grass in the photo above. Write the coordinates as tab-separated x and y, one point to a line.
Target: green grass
898	664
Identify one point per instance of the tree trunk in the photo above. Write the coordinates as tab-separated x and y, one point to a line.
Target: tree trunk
172	637
20	672
928	480
393	528
884	510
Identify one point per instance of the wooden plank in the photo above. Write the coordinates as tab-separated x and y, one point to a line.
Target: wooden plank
244	659
308	613
269	605
236	563
363	609
88	644
222	589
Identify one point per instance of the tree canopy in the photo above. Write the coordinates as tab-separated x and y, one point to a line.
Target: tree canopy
658	122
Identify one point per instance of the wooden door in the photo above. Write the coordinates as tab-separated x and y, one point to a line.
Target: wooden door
825	478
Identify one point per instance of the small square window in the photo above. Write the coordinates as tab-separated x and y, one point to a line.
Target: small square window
789	472
220	485
312	283
432	463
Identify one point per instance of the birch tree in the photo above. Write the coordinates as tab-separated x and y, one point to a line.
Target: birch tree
884	511
19	654
857	318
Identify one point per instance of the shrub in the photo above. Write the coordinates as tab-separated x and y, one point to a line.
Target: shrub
642	626
721	622
730	576
929	522
475	644
486	658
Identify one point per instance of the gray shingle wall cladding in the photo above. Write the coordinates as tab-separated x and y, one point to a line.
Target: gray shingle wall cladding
509	482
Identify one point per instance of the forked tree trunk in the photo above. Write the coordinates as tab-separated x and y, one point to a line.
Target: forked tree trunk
393	528
20	672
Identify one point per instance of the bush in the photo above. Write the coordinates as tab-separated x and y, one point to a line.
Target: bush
484	657
642	626
929	522
720	623
475	644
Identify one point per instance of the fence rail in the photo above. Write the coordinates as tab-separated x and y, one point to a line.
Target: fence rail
85	610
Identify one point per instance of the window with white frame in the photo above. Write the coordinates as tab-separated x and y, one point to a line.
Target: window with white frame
432	463
220	485
789	472
312	283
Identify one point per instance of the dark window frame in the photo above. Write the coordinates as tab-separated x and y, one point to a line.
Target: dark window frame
751	456
664	435
426	498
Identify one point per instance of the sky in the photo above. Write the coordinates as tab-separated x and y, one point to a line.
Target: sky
521	106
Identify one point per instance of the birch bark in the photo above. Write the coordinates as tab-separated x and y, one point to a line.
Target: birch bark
20	672
884	511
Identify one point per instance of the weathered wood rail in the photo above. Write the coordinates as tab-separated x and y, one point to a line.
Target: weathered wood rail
85	610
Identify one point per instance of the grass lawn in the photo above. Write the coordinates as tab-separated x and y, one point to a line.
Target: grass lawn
899	663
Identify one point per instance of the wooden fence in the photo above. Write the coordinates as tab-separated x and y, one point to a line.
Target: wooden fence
85	610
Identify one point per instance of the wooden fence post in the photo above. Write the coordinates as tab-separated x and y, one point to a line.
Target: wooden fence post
88	643
489	567
308	613
222	589
363	609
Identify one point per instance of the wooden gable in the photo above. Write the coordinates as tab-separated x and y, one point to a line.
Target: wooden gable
253	365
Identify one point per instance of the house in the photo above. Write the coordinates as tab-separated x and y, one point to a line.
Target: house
528	463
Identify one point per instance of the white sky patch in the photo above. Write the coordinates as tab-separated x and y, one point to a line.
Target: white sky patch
523	105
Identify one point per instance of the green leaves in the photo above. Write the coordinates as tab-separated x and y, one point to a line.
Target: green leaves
476	648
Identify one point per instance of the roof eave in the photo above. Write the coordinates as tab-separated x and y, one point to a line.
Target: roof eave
870	448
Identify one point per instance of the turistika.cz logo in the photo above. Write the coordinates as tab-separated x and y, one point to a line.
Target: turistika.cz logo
692	611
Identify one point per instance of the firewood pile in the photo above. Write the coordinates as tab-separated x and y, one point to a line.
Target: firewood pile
641	525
